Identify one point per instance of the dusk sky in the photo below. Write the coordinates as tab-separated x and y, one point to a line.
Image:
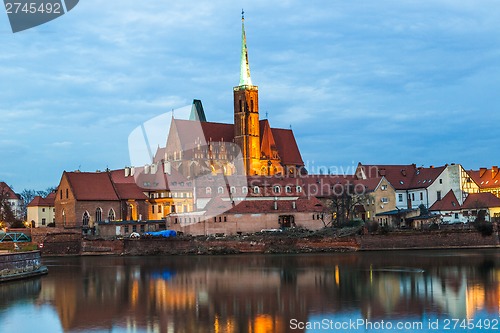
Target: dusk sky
387	82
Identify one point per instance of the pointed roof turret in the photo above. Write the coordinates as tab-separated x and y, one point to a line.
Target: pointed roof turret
245	79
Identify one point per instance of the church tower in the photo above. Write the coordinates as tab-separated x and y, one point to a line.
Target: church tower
246	112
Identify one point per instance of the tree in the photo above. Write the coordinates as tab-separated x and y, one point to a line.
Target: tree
341	204
6	213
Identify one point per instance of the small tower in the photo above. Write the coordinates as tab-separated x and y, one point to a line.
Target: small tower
246	112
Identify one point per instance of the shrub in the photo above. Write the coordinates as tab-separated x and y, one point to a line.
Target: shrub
485	228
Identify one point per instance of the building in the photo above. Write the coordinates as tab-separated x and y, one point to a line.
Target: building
484	180
249	146
415	186
12	199
41	211
85	199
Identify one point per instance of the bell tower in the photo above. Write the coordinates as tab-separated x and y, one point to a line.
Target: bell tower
246	112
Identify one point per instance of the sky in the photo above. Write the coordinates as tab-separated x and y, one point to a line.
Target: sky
386	82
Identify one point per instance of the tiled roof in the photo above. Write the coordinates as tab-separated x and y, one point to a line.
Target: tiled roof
486	178
283	206
91	186
39	201
287	146
191	131
481	200
448	203
402	177
8	192
130	191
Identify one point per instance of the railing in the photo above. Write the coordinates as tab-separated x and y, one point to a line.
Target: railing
14	237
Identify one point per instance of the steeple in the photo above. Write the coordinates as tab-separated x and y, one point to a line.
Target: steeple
245	79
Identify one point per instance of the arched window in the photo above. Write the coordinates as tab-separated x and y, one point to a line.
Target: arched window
288	189
208	190
233	189
220	190
64	217
277	189
98	214
86	219
111	215
256	190
299	189
244	190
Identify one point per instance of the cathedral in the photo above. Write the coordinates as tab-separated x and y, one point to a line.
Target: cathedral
249	147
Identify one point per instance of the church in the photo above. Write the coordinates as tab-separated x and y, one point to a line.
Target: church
196	146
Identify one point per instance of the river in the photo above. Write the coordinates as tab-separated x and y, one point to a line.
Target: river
406	291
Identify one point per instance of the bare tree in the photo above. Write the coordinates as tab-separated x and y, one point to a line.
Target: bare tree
6	213
341	204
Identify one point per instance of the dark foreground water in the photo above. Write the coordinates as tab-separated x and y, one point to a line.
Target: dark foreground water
410	291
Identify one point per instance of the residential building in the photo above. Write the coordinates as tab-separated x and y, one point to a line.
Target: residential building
484	180
41	211
13	199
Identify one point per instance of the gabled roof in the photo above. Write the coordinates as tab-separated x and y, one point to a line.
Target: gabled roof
448	203
39	201
481	200
129	191
486	178
91	186
7	191
287	146
190	132
402	177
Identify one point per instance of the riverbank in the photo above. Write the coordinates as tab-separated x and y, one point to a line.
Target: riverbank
66	242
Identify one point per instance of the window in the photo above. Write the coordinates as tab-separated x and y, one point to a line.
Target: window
86	219
232	189
98	214
244	189
208	190
456	215
438	194
413	196
277	189
299	189
421	196
256	190
111	215
43	221
384	200
67	193
159	208
152	209
400	197
383	187
220	190
225	218
440	181
288	189
60	194
43	210
142	228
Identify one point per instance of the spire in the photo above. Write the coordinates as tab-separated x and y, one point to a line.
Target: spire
245	79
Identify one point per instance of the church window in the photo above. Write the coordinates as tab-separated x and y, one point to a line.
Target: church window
220	190
288	189
86	219
299	189
244	189
67	193
98	214
111	215
277	189
233	189
256	189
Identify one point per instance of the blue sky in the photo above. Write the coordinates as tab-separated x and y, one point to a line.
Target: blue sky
372	81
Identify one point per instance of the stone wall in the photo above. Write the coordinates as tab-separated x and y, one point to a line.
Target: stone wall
433	239
15	263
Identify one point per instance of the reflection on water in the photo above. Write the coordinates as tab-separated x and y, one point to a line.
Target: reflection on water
257	294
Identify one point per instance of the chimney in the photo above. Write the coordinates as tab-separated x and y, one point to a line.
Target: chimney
482	171
494	171
432	167
127	171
